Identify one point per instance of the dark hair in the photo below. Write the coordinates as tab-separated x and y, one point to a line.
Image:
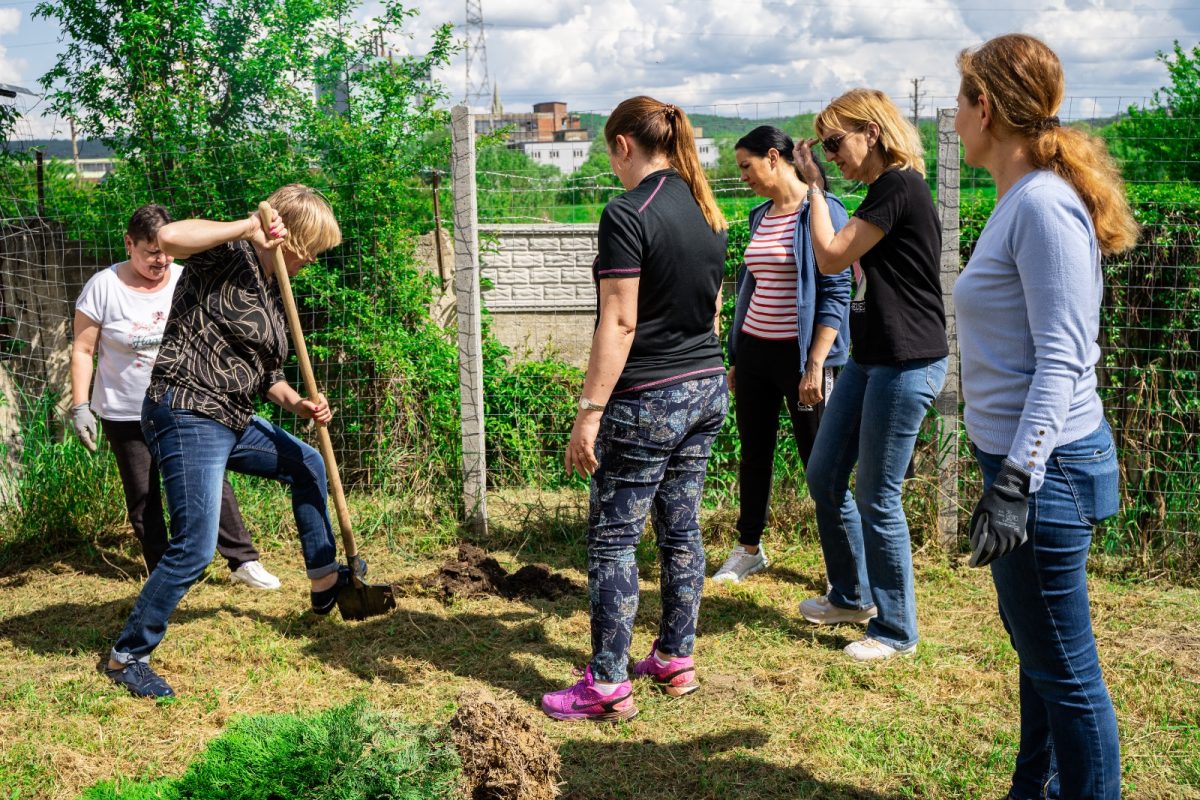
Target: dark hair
664	128
762	139
145	222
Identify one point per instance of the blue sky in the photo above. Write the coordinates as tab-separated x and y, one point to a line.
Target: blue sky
751	57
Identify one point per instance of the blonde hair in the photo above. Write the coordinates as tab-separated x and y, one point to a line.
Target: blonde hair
899	141
312	228
663	128
1023	81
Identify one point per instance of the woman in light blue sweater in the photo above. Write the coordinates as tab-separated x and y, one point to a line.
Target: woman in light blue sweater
1028	306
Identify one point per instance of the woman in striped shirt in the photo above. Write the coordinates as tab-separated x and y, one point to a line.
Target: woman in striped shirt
789	333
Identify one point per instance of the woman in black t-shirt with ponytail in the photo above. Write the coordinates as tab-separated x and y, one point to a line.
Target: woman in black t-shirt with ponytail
896	369
654	398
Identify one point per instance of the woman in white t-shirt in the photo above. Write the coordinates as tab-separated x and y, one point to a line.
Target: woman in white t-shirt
119	321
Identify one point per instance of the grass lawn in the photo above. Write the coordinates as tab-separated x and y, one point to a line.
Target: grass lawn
782	713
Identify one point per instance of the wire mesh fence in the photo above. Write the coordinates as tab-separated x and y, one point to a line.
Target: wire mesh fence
386	334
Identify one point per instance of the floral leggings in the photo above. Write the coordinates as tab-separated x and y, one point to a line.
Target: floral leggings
653	449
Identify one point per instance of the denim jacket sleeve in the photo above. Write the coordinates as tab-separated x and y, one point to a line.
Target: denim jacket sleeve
821	299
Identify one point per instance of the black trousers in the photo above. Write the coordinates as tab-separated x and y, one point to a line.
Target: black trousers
768	373
143	500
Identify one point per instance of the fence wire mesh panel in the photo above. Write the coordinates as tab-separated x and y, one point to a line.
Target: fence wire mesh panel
538	211
384	320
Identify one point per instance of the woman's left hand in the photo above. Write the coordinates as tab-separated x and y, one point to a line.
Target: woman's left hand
318	412
581	450
812	388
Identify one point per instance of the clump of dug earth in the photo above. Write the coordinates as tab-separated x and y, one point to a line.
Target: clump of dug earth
475	573
505	756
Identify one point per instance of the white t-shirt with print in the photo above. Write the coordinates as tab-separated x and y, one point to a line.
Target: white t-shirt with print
131	330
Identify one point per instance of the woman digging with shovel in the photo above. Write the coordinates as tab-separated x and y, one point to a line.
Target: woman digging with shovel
224	346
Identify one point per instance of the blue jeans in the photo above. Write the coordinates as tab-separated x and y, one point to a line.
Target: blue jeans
1069	746
653	449
193	452
871	418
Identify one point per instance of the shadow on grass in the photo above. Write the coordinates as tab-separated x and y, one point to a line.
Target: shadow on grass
75	628
721	765
106	558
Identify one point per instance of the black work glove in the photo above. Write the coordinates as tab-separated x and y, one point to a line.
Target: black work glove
998	524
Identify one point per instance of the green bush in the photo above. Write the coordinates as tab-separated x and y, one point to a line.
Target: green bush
347	753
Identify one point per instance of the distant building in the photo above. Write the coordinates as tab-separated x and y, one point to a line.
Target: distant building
553	135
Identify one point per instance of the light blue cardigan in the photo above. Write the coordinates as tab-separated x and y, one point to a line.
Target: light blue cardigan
820	299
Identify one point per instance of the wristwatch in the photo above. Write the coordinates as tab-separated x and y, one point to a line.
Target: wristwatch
588	405
813	191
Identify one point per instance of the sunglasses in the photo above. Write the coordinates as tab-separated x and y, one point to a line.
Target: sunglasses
832	144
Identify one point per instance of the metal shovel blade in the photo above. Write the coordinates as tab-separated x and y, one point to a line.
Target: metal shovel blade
360	600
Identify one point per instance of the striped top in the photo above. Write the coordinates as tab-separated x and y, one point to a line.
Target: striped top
771	258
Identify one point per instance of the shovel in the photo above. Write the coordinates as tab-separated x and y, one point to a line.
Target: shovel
358	600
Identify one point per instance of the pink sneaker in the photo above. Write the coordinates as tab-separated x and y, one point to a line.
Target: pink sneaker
582	701
677	677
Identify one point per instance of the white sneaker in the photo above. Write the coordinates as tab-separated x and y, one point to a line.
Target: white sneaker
254	575
819	611
741	564
868	649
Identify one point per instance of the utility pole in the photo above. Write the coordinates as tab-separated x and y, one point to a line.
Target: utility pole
75	153
916	96
479	85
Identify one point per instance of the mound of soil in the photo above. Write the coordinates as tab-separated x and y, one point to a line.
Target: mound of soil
505	756
476	573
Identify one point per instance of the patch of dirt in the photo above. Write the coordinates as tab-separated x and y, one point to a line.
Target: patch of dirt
505	755
476	573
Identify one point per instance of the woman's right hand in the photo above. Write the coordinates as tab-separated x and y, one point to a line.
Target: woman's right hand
806	162
83	421
730	380
272	238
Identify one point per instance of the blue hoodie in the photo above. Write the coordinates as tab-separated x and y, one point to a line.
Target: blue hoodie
820	299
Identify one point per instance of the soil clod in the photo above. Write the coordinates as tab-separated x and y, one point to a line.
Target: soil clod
475	573
504	754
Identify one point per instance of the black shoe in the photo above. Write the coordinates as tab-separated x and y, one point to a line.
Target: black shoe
140	680
324	600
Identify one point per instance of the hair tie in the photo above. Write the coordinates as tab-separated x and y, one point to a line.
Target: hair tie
1046	123
670	111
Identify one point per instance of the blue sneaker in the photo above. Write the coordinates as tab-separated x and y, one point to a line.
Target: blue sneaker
140	680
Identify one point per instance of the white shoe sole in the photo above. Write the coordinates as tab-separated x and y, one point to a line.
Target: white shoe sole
850	618
243	582
732	577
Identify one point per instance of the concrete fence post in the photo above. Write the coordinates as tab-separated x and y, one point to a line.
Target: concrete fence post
947	403
470	335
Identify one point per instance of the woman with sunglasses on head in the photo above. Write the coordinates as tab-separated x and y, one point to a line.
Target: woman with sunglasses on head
1028	306
789	332
896	368
654	398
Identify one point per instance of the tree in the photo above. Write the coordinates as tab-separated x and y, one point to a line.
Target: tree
1158	142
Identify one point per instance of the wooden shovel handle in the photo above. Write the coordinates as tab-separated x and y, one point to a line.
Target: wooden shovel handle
265	214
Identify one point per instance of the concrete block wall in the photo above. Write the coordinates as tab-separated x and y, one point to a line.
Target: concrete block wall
538	268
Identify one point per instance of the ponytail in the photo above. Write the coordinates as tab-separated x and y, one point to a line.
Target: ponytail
663	128
1084	162
1023	79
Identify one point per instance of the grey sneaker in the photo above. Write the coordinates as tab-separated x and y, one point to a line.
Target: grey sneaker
819	611
741	564
254	575
868	649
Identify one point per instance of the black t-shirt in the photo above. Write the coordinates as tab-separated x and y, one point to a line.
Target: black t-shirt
898	313
657	232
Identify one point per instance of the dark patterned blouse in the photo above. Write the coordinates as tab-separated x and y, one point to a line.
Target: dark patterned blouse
226	338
